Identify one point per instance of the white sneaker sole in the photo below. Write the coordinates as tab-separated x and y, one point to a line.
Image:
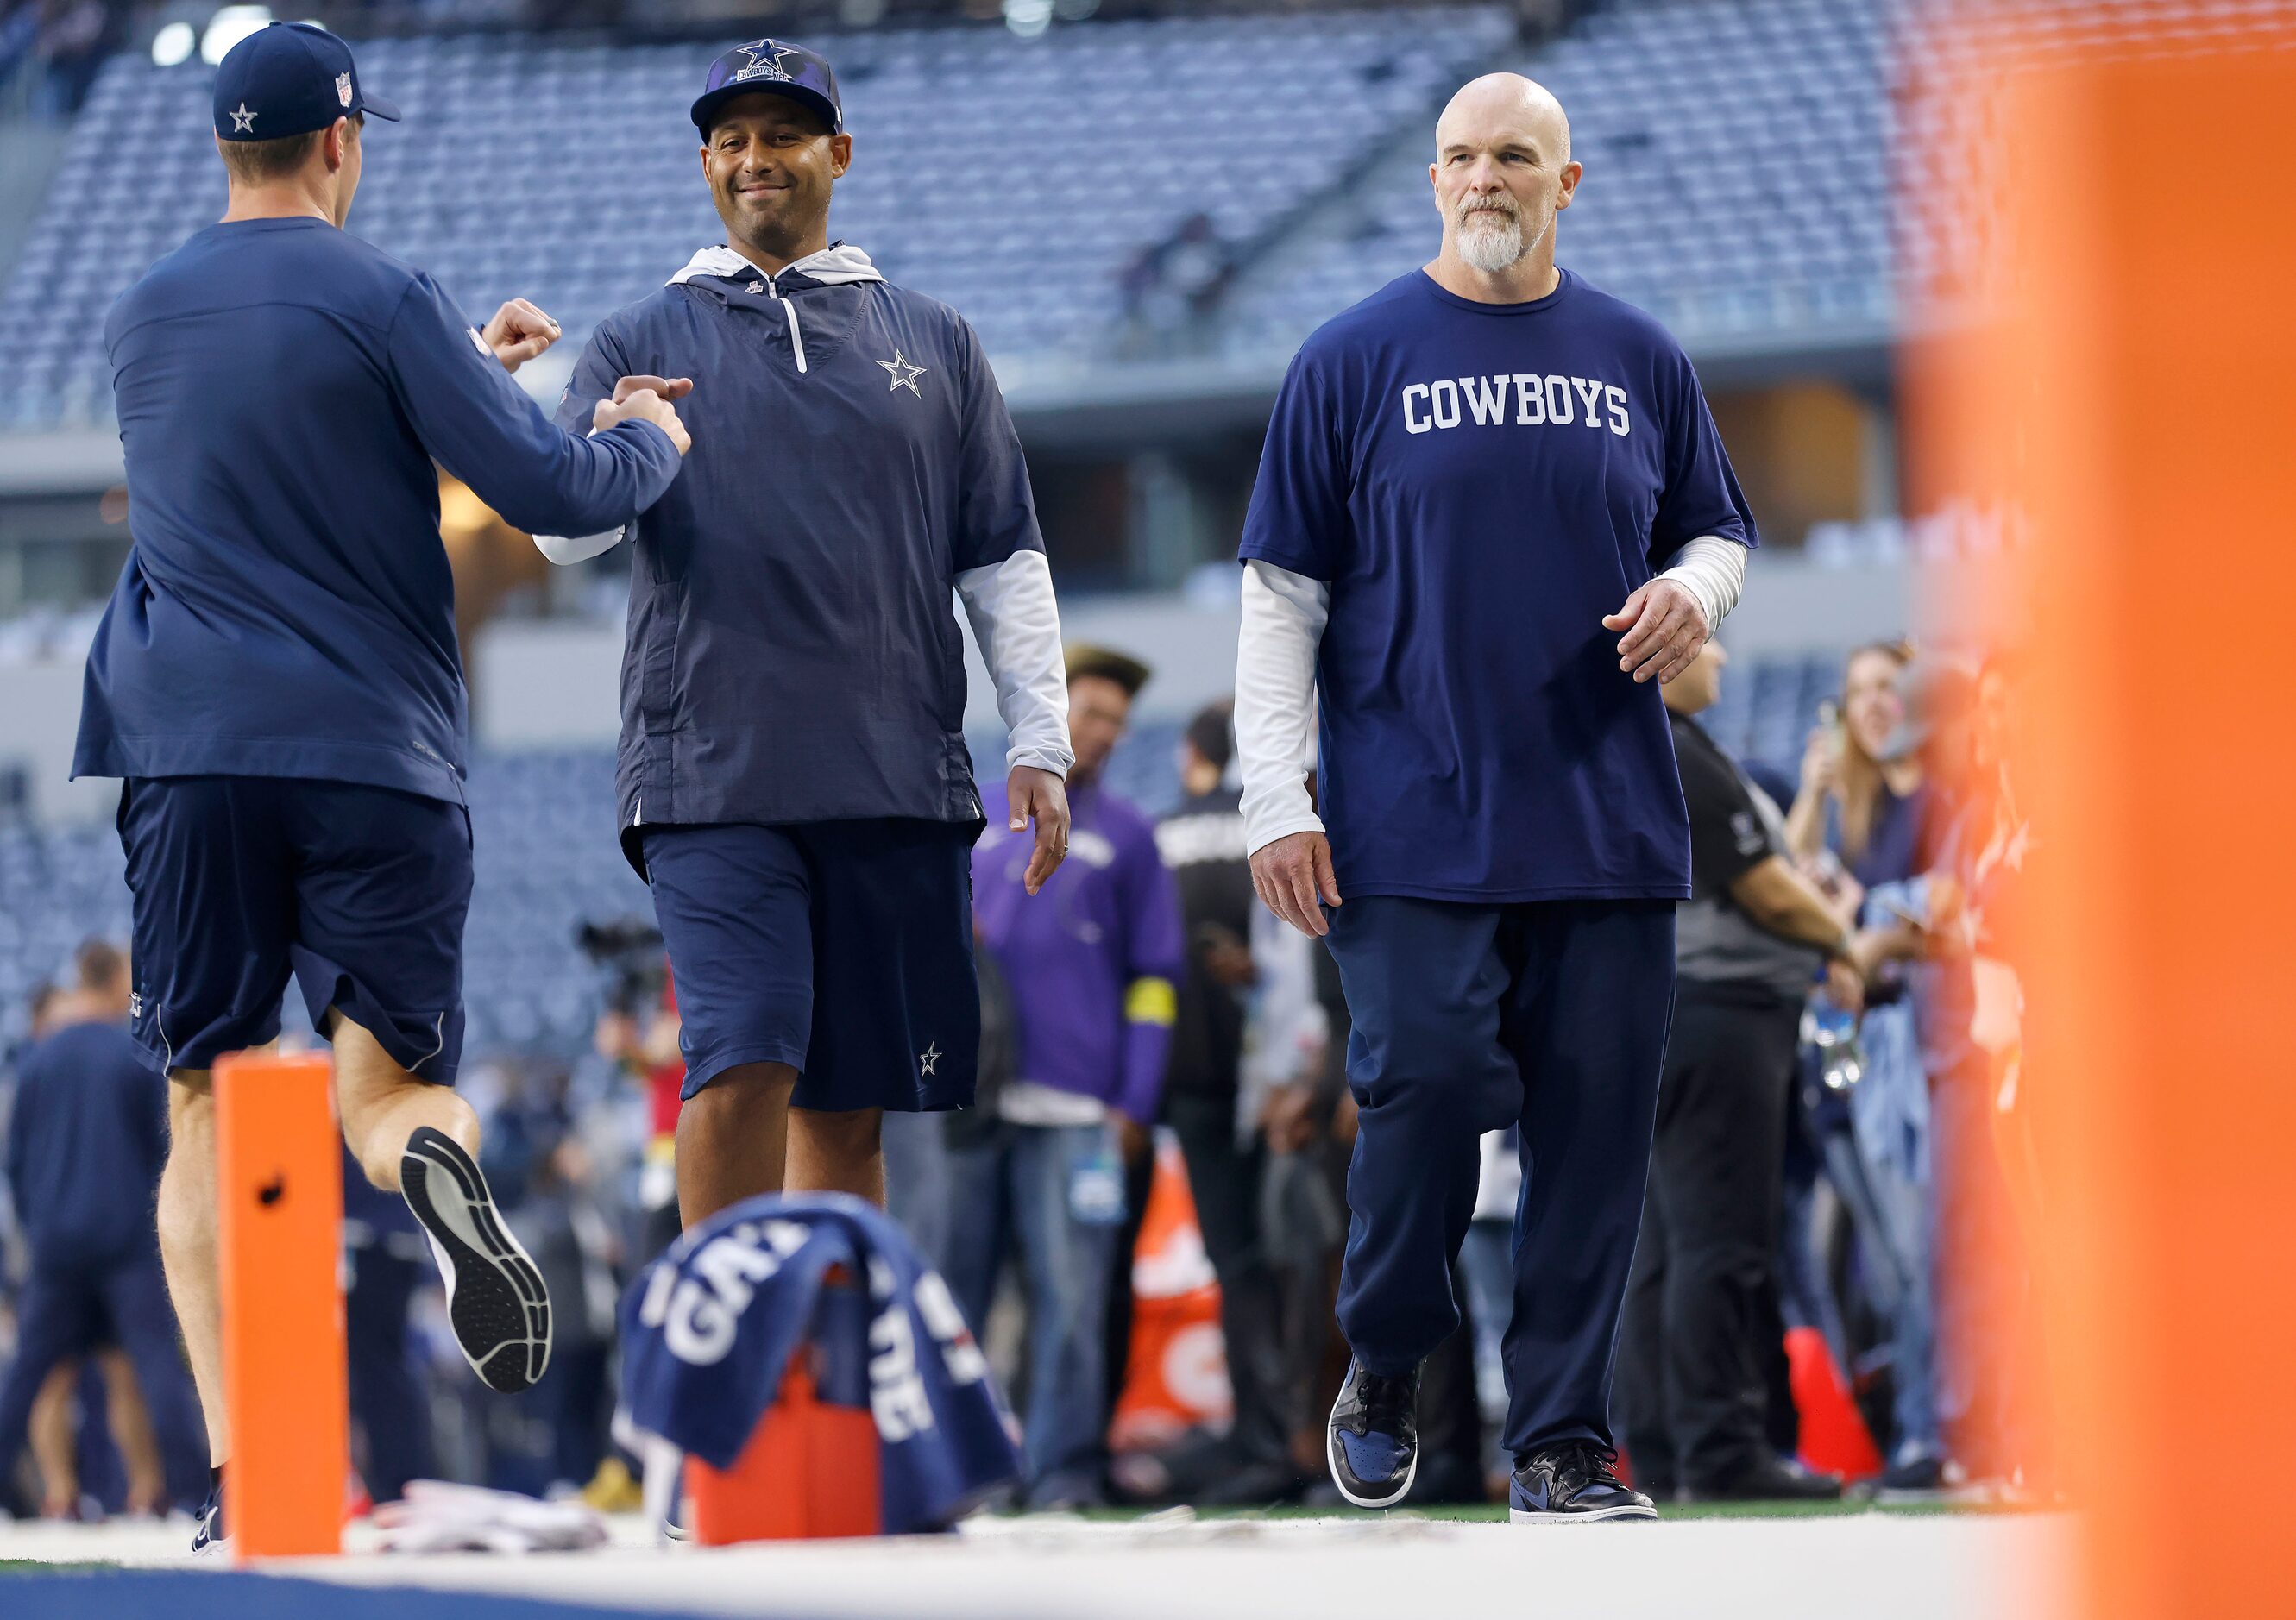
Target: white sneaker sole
1526	1516
496	1299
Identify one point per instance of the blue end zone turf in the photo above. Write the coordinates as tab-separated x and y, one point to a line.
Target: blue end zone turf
121	1594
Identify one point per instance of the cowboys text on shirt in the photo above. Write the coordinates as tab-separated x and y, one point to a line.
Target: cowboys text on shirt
1521	399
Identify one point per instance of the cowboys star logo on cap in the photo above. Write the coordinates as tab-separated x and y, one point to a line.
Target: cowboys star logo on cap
769	67
343	88
765	60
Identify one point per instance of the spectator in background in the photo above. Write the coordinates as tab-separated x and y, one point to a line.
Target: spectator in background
385	1259
86	1139
1858	799
1202	842
575	1249
1295	1085
643	1043
1923	1112
1899	724
1701	1313
1173	285
1091	964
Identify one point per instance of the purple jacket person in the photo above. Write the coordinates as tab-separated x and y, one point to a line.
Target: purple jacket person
1091	961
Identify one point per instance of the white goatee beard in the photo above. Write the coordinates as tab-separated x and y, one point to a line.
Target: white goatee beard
1495	247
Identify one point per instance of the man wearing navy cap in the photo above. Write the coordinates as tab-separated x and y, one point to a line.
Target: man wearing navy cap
277	681
793	780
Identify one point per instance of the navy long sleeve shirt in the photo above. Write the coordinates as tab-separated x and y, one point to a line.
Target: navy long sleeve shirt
88	1136
287	609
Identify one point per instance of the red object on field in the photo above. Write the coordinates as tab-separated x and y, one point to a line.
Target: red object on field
1834	1439
809	1470
1176	1376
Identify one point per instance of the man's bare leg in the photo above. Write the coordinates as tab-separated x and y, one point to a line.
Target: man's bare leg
382	1105
733	1138
187	1242
130	1420
53	1439
498	1305
838	1152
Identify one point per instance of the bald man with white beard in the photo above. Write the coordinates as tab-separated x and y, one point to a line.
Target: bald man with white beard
1493	517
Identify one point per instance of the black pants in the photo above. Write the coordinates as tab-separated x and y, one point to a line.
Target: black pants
1700	1304
1228	1182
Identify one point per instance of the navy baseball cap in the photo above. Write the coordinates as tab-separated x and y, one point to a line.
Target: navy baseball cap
289	79
767	67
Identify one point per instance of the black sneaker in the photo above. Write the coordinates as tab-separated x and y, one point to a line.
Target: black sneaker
208	1536
1372	1442
1573	1482
1772	1479
495	1297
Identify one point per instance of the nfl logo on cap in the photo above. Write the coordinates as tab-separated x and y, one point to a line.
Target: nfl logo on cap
294	77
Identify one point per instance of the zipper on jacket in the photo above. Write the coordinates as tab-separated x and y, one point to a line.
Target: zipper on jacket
797	337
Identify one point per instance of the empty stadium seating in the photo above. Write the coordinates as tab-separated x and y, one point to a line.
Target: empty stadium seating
1734	156
543	824
1015	179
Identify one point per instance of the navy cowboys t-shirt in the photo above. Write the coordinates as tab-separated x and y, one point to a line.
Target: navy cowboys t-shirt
1480	484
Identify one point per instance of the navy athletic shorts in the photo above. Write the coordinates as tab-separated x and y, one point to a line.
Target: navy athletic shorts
843	949
239	882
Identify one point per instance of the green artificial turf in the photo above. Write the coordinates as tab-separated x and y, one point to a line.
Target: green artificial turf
1495	1513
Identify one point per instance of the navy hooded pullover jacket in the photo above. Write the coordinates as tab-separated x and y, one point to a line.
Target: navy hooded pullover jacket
793	652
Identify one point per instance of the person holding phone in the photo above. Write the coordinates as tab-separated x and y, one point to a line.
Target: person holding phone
1859	797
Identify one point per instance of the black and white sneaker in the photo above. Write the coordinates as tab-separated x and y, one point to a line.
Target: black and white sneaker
1573	1482
208	1536
495	1297
1373	1442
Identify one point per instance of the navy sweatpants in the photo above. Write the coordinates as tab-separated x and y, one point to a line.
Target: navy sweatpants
1549	1014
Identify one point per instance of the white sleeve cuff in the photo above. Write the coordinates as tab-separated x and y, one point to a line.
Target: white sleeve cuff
1017	622
1714	571
563	550
1283	619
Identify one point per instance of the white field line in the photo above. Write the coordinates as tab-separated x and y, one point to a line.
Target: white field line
1874	1567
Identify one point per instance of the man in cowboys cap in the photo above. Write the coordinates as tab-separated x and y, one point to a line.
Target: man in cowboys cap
276	678
793	780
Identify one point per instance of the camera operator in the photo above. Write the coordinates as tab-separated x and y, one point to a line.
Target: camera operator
638	1032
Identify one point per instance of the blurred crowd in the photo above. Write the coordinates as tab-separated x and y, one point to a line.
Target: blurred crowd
1143	1214
50	51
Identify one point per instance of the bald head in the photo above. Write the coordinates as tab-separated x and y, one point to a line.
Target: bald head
1502	172
1505	105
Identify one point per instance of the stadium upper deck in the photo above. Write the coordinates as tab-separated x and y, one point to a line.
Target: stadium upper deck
1016	180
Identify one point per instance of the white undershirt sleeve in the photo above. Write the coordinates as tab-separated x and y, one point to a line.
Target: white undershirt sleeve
564	550
1714	571
1017	622
1283	619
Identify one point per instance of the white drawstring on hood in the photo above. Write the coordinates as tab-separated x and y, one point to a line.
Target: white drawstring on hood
839	265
